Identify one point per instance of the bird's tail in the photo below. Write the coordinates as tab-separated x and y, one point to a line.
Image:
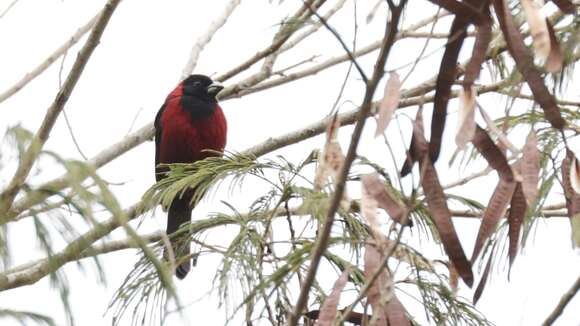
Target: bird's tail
179	213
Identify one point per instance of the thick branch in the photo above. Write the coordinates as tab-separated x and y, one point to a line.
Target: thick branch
146	132
347	118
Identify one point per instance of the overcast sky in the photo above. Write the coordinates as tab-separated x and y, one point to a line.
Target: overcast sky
139	60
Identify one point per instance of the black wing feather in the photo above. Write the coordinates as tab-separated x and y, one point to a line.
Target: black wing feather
157	124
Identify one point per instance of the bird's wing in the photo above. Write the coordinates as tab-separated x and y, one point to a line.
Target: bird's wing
157	125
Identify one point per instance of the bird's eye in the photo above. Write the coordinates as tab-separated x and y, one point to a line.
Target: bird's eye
196	84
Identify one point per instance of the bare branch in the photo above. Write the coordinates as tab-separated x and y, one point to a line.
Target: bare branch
7	10
284	34
45	190
478	214
324	232
566	298
105	156
349	53
50	60
326	64
315	27
41	136
206	37
37	271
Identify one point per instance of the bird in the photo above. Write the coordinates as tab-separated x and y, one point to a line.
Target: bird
190	126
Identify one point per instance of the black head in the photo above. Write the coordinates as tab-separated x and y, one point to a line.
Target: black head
201	87
199	94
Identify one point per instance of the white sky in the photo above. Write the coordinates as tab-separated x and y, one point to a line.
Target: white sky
139	61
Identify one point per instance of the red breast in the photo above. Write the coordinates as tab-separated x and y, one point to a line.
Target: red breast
186	139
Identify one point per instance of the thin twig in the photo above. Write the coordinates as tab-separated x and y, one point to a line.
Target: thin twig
315	27
420	56
8	8
46	189
146	132
349	53
478	214
37	196
41	136
564	301
269	55
326	64
531	98
66	119
50	60
285	31
324	232
206	37
69	253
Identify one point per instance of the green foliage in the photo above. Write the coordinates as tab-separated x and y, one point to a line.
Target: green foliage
23	317
262	261
441	305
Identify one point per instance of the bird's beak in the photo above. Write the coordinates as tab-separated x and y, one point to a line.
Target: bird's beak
214	88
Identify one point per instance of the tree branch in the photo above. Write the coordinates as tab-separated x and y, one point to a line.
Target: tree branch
284	34
50	60
45	190
41	136
71	252
564	301
324	233
206	37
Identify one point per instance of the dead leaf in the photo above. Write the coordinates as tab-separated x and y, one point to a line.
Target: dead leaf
332	157
387	309
419	145
389	103
565	6
575	224
481	286
494	211
374	187
453	278
368	208
447	75
530	168
332	128
572	197
517	213
538	28
524	63
353	318
503	142
466	120
466	11
492	154
482	39
437	204
329	307
377	293
396	313
555	58
575	174
445	78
